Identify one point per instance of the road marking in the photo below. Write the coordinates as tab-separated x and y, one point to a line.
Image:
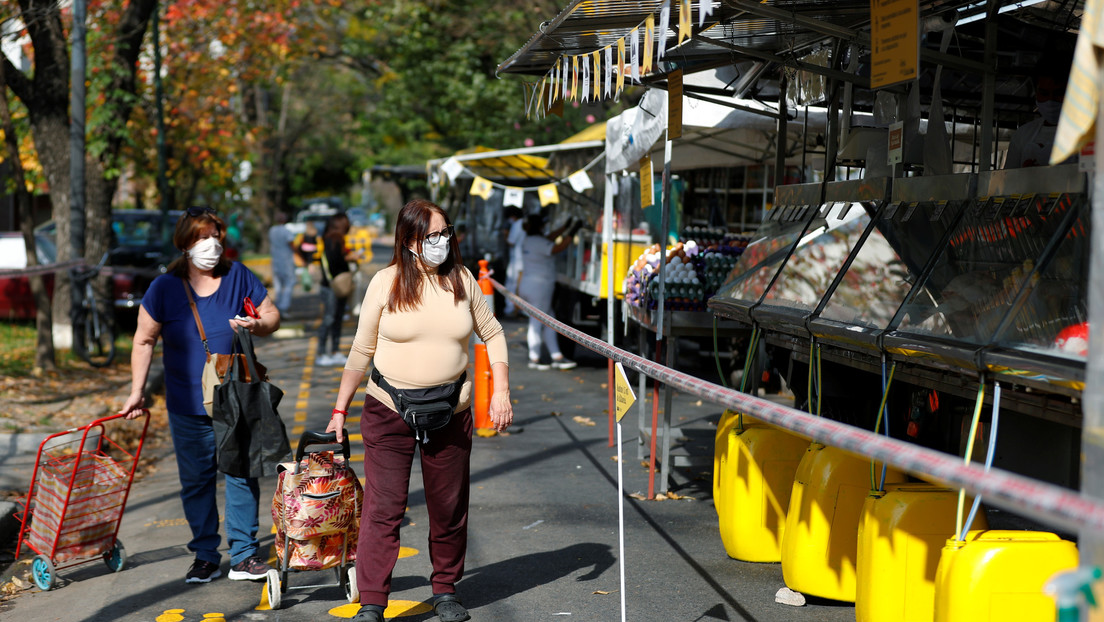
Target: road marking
395	609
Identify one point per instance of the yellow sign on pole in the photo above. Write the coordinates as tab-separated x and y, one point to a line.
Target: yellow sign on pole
894	41
623	392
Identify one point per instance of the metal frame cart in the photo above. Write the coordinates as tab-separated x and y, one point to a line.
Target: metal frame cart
78	492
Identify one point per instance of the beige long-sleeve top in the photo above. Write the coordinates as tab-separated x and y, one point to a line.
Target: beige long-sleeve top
425	347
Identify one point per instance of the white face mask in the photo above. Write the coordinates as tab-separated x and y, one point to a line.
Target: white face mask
434	255
205	253
1050	111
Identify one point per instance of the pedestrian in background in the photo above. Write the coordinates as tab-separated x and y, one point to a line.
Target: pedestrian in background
218	288
306	248
536	284
281	248
415	327
515	235
335	260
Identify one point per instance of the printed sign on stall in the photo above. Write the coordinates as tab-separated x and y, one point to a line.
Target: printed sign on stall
624	396
894	41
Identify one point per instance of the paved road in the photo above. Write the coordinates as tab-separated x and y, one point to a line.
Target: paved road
544	523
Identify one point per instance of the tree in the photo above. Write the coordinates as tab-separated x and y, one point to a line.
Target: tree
45	94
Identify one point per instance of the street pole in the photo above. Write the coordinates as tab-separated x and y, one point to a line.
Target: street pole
162	179
76	129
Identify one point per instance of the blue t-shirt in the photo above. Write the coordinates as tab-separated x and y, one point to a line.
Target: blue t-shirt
167	303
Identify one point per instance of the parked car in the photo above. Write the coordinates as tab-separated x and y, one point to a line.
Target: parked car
16	301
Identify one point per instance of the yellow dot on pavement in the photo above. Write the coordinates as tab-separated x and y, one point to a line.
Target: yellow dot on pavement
171	615
406	551
214	617
395	609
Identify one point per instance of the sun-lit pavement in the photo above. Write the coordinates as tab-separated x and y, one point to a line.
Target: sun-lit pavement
543	525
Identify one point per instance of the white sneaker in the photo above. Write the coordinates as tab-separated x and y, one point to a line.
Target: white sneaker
323	360
337	359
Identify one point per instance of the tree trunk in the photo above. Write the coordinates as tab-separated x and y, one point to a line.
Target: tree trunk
44	346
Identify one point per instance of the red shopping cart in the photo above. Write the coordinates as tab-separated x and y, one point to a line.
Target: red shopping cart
79	489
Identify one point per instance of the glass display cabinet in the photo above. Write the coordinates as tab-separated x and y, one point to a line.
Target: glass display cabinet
795	209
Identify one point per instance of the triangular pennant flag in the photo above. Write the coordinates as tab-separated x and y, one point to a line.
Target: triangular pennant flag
563	78
684	21
574	78
585	88
608	71
580	181
620	64
481	188
634	55
705	9
549	194
664	25
513	197
597	73
649	38
452	168
541	104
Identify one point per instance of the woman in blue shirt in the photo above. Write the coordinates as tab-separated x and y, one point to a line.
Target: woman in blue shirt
218	287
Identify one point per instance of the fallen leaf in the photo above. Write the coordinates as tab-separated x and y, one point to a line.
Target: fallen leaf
614	458
661	497
555	413
601	592
581	420
637	495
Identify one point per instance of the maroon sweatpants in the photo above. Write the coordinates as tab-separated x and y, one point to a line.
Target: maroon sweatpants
388	454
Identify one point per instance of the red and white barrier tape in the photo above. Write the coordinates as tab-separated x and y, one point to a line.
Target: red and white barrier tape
1054	505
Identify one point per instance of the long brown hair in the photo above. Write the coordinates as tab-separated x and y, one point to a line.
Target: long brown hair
188	230
410	230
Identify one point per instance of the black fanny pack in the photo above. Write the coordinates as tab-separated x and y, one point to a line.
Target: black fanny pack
423	409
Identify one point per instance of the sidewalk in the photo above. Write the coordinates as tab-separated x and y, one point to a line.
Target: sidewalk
544	536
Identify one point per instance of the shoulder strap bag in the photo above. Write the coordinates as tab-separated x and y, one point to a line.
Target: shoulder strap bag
214	370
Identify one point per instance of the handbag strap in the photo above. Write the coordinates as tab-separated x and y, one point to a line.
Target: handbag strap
195	314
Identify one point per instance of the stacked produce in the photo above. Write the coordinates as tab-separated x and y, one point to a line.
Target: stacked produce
695	270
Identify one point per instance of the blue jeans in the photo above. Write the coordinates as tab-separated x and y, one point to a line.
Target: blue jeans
283	280
329	331
194	441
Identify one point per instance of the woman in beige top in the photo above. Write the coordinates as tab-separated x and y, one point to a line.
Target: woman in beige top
415	325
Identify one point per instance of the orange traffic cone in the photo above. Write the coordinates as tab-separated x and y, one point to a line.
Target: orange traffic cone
481	405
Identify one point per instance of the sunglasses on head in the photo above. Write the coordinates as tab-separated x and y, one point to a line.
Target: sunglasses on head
199	211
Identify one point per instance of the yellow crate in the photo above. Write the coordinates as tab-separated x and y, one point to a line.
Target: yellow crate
901	534
756	474
997	576
820	548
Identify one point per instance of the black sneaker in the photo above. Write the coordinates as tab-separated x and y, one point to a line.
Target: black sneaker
563	364
249	569
202	572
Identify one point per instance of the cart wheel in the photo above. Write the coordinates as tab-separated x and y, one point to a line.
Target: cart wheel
351	591
116	558
273	588
42	570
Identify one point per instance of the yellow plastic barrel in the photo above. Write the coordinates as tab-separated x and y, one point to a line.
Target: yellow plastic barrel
755	480
820	549
901	534
997	576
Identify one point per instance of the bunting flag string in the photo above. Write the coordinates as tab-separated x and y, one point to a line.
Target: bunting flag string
664	26
482	186
590	76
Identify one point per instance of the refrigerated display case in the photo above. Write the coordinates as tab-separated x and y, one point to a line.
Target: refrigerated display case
996	249
795	209
811	272
913	225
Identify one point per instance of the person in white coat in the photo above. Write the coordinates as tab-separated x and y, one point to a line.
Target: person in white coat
536	285
515	236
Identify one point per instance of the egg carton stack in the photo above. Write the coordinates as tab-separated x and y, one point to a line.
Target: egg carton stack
695	270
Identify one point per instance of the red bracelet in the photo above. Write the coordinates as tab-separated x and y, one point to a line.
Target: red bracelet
343	413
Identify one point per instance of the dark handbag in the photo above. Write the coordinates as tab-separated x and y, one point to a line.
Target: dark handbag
250	437
424	410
